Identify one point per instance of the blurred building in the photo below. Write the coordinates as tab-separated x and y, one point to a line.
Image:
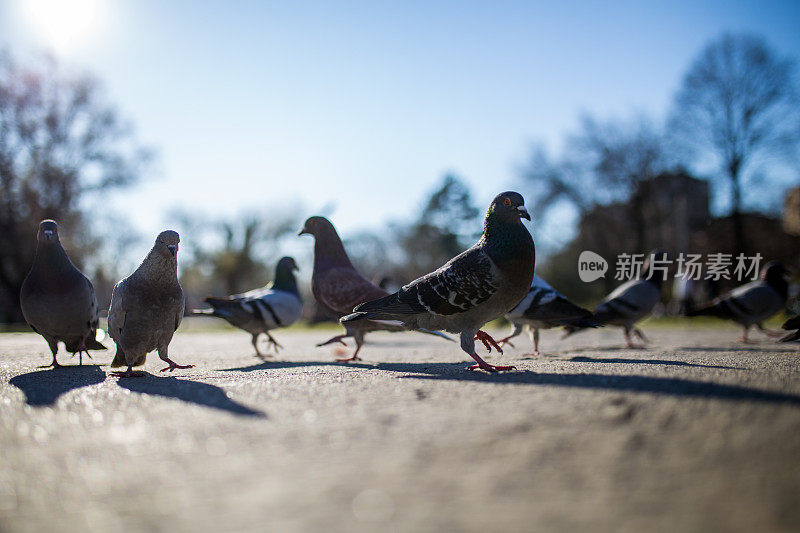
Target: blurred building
670	211
791	212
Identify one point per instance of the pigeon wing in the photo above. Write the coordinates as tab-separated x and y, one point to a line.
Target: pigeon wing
753	300
117	311
465	282
633	299
342	288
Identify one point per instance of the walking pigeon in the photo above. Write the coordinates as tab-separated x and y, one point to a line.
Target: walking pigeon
277	305
543	308
147	307
475	287
631	302
753	302
792	323
338	287
57	300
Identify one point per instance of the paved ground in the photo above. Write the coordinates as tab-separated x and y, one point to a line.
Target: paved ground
697	433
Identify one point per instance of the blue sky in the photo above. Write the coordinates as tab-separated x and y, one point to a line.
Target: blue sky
363	106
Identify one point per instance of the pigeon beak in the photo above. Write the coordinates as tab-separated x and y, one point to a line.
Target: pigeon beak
523	213
48	234
302	231
173	249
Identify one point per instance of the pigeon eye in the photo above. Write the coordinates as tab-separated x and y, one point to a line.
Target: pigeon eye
506	202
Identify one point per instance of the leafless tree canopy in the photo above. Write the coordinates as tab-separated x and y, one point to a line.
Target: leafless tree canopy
739	105
59	143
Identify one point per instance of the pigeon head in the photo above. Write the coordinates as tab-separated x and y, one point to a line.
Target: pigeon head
508	206
284	275
167	243
328	247
48	231
317	226
775	274
287	264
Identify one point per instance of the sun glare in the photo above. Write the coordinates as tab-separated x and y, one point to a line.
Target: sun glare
63	24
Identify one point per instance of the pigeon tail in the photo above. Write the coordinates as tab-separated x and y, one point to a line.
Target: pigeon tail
794	336
715	310
91	343
582	323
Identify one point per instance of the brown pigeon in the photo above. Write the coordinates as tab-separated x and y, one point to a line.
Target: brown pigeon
475	287
338	287
57	300
147	307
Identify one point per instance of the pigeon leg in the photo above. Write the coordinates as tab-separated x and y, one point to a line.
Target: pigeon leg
338	338
53	348
272	342
769	332
487	341
535	339
483	365
162	353
506	340
255	345
128	373
359	338
744	334
81	350
639	333
54	364
628	341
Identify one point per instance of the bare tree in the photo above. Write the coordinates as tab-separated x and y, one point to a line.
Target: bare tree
60	145
231	255
448	223
738	105
603	162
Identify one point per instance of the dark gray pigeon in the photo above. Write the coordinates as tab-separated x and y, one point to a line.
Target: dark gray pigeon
147	307
753	302
57	300
473	288
338	287
630	302
277	305
543	308
792	323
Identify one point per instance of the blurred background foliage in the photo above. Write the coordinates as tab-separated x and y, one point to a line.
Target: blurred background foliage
709	177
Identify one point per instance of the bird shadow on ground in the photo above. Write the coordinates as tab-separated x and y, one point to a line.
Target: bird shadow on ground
187	391
43	387
610	349
628	383
584	359
743	348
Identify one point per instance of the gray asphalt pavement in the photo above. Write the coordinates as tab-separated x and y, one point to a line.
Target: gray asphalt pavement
695	433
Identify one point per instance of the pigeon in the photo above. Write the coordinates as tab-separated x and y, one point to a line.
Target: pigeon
147	307
543	308
338	287
57	300
630	302
753	302
475	287
277	305
792	323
